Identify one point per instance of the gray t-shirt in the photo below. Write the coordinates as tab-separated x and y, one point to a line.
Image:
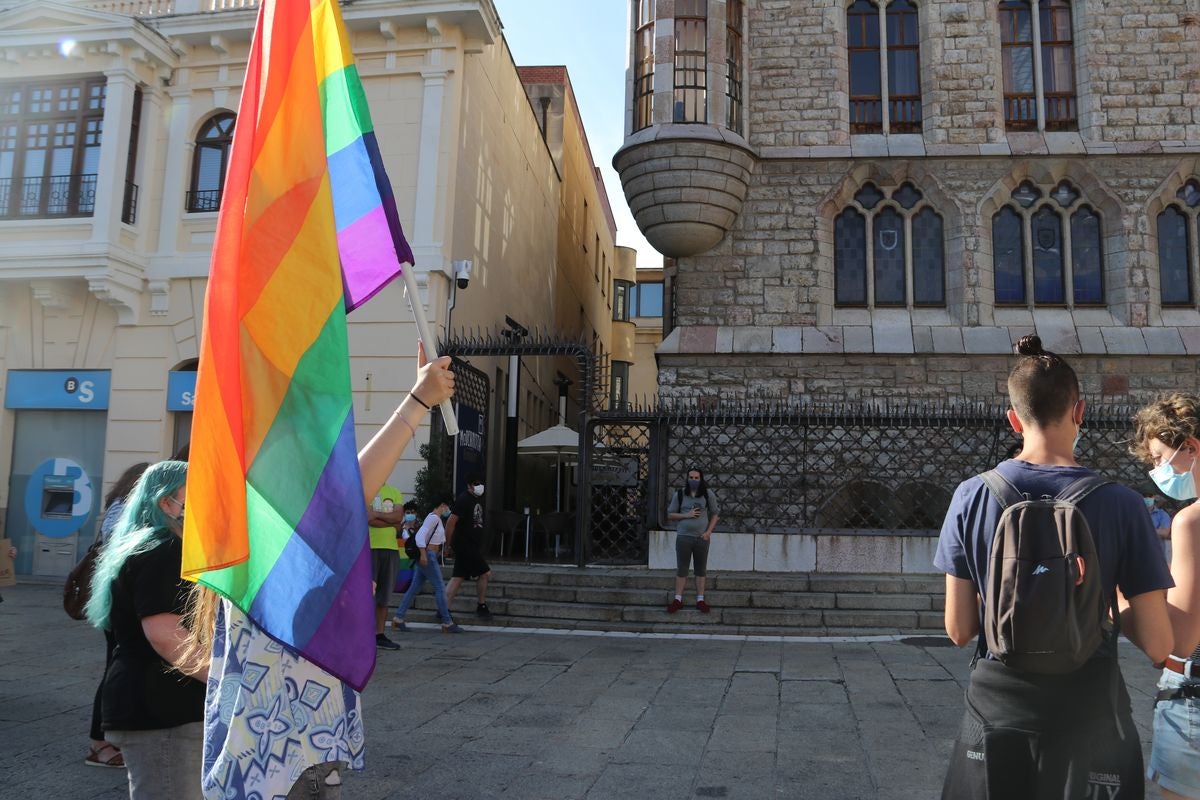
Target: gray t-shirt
683	504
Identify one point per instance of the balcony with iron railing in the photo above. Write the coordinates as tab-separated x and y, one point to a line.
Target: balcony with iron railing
198	202
160	8
48	196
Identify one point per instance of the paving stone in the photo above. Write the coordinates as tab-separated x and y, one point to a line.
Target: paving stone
653	718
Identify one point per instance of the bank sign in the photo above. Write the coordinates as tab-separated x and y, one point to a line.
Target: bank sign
74	390
181	390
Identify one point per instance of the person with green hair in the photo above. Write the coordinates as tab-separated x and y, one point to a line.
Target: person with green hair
150	707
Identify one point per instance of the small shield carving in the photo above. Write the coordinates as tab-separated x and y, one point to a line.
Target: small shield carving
889	239
1046	239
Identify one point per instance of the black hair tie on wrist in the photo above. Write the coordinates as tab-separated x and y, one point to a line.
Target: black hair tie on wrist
419	400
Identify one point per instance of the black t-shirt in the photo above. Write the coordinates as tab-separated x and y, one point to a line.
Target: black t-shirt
468	529
142	691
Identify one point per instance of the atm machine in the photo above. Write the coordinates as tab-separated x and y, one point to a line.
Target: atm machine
57	460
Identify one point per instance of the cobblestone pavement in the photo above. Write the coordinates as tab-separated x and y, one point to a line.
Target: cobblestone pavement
497	713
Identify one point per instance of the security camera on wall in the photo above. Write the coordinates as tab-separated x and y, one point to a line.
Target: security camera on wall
462	272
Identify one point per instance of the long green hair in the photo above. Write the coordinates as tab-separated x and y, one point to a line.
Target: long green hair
142	526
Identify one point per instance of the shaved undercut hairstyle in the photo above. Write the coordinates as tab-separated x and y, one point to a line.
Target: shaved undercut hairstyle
1042	386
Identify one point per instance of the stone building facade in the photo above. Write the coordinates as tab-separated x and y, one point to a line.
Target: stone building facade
837	236
874	200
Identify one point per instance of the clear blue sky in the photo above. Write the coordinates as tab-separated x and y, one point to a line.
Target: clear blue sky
589	38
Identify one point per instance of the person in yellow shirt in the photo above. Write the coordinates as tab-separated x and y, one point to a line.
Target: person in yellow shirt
385	515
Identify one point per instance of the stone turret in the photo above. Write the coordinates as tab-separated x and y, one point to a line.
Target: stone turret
685	165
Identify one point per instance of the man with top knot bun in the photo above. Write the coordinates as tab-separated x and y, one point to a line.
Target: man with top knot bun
1049	734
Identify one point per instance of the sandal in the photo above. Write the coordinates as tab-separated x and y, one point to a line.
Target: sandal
95	757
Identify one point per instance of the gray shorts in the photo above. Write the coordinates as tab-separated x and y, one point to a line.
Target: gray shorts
691	551
162	763
384	565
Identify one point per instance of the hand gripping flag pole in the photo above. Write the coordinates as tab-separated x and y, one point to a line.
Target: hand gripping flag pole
449	420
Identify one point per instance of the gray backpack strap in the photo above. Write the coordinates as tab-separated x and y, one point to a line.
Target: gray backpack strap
1077	491
1001	488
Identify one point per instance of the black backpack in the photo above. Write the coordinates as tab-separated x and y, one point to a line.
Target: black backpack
410	547
1044	604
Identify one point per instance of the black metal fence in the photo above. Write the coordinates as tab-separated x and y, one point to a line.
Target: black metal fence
812	468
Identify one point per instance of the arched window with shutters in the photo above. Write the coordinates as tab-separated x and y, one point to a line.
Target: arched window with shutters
889	250
1044	242
210	162
1178	245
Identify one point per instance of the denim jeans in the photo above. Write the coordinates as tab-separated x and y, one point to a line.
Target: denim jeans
319	782
162	763
431	572
1173	760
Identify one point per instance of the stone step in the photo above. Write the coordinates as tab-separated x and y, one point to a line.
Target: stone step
570	615
658	596
640	578
634	600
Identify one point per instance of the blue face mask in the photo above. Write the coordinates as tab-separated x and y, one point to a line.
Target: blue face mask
410	517
1176	485
446	514
693	485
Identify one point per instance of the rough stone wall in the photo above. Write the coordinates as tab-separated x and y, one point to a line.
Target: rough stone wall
1137	70
960	74
1142	64
891	378
798	92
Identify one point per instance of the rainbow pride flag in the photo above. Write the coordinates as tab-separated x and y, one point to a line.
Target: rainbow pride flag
308	230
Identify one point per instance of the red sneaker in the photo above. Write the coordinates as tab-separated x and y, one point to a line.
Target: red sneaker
702	607
674	606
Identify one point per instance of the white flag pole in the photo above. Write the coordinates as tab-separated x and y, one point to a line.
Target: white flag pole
427	338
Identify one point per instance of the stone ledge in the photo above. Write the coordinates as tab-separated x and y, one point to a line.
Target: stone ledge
1052	144
832	552
898	335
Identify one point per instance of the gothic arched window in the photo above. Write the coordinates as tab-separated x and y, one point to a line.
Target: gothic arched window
1061	238
904	263
1178	241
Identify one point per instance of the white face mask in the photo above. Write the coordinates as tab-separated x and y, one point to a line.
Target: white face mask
479	490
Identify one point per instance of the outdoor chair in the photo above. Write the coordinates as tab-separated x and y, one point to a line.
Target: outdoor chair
511	525
559	528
